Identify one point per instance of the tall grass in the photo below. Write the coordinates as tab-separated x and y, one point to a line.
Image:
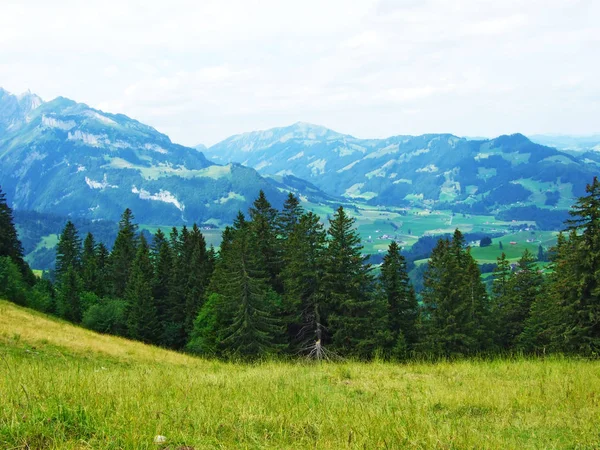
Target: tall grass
62	387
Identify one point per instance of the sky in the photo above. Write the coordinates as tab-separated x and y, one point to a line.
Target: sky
203	70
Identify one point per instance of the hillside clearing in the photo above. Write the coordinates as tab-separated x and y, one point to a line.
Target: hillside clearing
63	387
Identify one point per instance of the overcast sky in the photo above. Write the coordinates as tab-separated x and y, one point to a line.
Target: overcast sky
203	70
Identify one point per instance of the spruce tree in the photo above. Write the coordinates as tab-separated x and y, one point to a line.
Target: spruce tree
455	301
263	227
512	312
89	266
355	315
162	258
402	305
198	278
142	320
10	245
289	217
302	275
252	329
69	295
123	253
68	251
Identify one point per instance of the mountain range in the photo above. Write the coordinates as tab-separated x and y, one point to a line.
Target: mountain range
68	159
434	170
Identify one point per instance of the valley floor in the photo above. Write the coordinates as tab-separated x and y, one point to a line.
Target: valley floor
63	387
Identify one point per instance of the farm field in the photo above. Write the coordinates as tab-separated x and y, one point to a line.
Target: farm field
63	387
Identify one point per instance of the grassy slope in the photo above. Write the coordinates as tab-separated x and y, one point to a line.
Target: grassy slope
64	387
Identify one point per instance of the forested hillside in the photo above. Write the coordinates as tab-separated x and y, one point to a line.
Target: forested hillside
283	283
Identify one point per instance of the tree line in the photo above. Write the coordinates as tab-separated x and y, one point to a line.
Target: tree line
283	283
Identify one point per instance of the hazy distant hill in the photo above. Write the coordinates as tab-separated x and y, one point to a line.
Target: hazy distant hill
434	169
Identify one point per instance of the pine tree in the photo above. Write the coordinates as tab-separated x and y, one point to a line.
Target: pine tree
263	227
174	334
402	305
142	320
123	253
513	309
289	217
302	275
89	266
455	301
198	278
68	251
69	295
355	314
583	312
102	266
10	245
251	325
162	258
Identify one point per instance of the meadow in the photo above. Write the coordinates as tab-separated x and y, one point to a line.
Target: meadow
63	387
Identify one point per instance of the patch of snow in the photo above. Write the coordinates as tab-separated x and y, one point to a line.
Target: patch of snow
100	118
261	165
80	169
156	148
349	166
52	122
282	173
430	168
86	138
390	149
296	156
318	167
99	184
161	196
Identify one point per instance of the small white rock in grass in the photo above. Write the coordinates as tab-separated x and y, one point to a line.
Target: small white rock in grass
158	439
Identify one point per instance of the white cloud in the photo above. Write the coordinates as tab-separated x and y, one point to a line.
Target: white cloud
201	71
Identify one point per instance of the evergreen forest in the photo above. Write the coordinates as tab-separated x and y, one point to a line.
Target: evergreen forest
285	284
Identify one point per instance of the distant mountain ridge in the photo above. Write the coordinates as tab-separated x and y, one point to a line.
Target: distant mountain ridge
437	170
66	158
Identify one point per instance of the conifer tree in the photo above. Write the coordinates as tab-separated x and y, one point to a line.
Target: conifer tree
302	276
514	305
162	258
142	320
102	266
583	312
198	278
10	245
289	217
402	305
123	253
355	315
263	227
68	250
251	325
69	295
455	301
89	266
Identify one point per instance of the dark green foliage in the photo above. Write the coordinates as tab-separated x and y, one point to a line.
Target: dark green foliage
68	250
68	299
142	320
455	302
514	293
12	286
90	275
246	307
199	273
107	316
162	259
123	253
10	245
485	242
303	271
263	226
355	315
402	305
